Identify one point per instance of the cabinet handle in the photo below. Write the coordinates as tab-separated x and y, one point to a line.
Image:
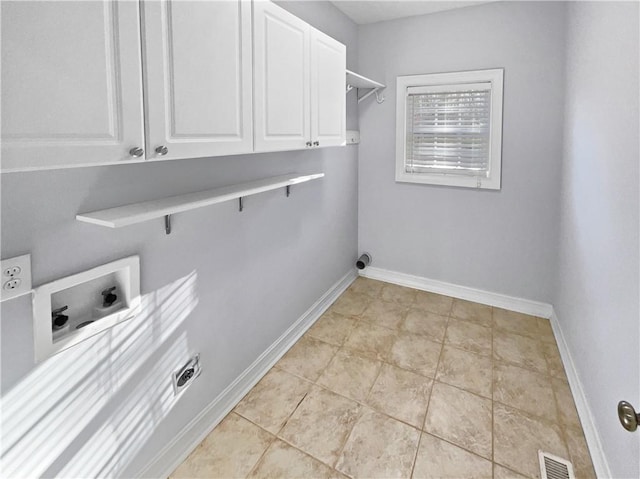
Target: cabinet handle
316	143
162	150
136	152
308	144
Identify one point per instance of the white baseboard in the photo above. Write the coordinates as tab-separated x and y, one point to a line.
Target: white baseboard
598	458
520	305
176	451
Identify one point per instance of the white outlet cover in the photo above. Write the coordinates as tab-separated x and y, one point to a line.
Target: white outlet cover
353	137
16	277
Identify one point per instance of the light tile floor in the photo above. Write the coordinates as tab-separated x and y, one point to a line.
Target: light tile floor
393	382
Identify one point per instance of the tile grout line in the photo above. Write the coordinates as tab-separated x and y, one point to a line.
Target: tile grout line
273	440
361	412
433	383
415	456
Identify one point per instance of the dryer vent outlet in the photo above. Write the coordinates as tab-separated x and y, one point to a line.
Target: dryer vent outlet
363	261
183	377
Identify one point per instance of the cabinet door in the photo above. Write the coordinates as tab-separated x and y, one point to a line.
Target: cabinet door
328	90
71	83
282	83
198	78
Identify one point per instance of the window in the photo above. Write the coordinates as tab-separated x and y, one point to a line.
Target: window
449	129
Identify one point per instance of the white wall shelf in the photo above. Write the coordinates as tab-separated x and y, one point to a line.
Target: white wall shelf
360	82
149	210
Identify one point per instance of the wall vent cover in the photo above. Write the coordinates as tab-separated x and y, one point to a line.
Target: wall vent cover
554	467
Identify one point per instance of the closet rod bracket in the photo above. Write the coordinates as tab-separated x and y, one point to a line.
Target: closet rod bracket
288	190
167	224
240	204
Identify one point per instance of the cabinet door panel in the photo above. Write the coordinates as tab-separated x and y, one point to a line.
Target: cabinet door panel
281	52
71	83
198	78
328	96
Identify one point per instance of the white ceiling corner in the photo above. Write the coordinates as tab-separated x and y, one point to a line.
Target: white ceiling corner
372	11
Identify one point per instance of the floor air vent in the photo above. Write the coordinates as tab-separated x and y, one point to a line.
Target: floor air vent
554	467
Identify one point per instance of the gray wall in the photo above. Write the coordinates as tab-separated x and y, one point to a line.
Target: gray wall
501	241
225	284
598	262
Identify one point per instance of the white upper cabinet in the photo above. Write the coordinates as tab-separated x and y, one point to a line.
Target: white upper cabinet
328	97
299	87
105	82
71	84
282	79
198	78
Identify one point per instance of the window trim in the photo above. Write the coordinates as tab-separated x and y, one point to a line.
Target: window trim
495	78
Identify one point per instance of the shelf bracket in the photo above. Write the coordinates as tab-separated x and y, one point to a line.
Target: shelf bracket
240	204
373	91
288	190
167	224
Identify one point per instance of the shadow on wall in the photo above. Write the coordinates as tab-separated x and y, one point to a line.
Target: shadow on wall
111	383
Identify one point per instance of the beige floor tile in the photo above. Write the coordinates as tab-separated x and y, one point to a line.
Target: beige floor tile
466	370
273	399
519	350
554	361
370	340
546	331
461	418
516	323
283	461
566	406
415	353
579	454
350	303
425	323
332	328
398	294
525	390
333	423
379	447
320	424
434	303
230	451
469	336
367	286
383	313
307	358
401	394
476	312
350	374
518	437
500	472
437	459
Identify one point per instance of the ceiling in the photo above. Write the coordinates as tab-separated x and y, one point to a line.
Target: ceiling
362	12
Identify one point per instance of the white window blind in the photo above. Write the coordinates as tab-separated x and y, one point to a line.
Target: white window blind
448	129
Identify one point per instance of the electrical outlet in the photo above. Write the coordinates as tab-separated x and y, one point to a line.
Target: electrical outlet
16	277
353	137
183	377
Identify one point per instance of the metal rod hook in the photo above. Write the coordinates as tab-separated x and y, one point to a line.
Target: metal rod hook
288	190
167	224
240	204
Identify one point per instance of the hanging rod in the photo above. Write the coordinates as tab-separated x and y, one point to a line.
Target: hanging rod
165	207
